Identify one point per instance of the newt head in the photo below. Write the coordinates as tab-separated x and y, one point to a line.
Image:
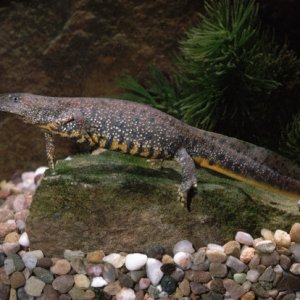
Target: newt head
19	104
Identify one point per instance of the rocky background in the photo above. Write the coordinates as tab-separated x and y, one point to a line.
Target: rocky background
80	47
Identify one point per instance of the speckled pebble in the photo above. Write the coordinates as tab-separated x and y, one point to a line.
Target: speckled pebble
168	284
95	257
282	238
247	254
61	267
43	274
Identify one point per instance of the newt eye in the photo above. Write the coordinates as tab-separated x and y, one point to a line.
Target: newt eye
15	99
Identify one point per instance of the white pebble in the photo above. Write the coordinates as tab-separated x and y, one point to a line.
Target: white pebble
282	238
183	246
135	261
183	260
126	294
295	268
212	246
153	270
98	282
29	260
265	246
116	259
252	275
244	238
24	240
28	176
40	171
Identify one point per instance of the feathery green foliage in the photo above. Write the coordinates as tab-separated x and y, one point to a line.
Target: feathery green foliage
230	77
290	144
159	91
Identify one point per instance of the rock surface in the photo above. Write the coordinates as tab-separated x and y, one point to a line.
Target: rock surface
116	200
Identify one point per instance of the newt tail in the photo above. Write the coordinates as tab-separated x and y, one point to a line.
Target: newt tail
138	129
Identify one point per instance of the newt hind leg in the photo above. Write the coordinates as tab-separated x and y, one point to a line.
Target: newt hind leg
188	185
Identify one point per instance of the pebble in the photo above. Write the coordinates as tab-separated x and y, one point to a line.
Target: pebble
267	275
198	288
271	259
168	284
24	240
244	238
282	238
248	296
156	251
30	260
295	233
44	262
216	256
61	267
94	270
63	283
218	270
78	265
232	248
135	261
144	283
109	272
253	275
199	257
50	293
247	254
98	282
234	289
76	293
17	280
239	278
295	249
267	234
34	286
10	248
183	246
9	266
43	274
70	254
81	281
183	260
153	270
137	275
95	257
125	280
184	287
295	268
125	294
89	295
12	237
112	288
115	259
265	246
236	264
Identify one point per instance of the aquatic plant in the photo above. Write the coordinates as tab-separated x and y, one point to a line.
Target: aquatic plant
231	76
290	143
159	91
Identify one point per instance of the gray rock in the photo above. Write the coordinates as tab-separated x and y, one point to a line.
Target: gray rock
34	286
21	293
18	262
156	251
43	274
267	275
29	260
9	266
63	283
234	289
2	259
70	255
198	288
288	282
109	272
235	264
78	265
218	270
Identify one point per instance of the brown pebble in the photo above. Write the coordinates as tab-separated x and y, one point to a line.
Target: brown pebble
198	276
248	296
184	287
95	257
6	228
295	233
44	262
139	295
17	280
89	295
232	248
61	267
50	293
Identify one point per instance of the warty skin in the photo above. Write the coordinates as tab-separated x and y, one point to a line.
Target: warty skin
141	130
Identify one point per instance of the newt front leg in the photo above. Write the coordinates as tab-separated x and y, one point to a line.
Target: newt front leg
50	149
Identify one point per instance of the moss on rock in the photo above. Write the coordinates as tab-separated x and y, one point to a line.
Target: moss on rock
117	202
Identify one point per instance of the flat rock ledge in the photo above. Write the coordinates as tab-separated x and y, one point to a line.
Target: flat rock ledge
122	203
